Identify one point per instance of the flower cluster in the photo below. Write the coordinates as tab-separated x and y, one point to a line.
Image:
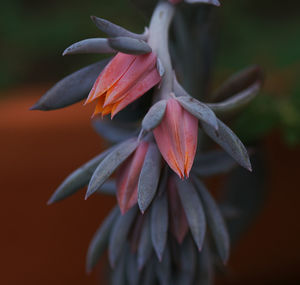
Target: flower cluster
162	204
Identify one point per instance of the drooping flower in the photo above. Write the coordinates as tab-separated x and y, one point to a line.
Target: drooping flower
176	137
124	79
128	177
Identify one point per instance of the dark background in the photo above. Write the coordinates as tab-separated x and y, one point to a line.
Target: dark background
47	244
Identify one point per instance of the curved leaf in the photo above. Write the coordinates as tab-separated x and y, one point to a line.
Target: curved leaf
149	177
200	110
159	224
94	45
78	178
108	188
215	221
193	210
154	116
129	45
210	2
71	89
110	164
145	246
118	236
229	142
212	163
114	30
99	242
236	103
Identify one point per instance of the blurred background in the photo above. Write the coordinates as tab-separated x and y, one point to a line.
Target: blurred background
43	244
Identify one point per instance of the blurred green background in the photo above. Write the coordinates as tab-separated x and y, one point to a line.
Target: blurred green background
34	34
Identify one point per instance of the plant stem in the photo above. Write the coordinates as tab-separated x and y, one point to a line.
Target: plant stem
158	40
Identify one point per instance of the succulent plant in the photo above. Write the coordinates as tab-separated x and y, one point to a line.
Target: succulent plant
167	228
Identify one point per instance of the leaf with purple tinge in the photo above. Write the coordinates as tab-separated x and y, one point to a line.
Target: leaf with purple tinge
198	109
212	163
215	221
229	142
71	89
154	116
178	221
145	246
210	2
118	236
129	45
119	273
149	177
78	178
236	103
132	272
193	209
238	82
110	164
113	30
188	261
108	188
163	268
93	45
159	224
148	277
100	240
114	131
205	266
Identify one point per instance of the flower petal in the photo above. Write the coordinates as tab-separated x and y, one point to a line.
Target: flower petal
111	74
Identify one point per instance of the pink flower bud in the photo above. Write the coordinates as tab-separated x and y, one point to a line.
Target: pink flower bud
125	79
176	137
128	177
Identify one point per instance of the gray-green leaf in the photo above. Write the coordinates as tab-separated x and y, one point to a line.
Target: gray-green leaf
199	110
229	142
129	45
70	89
154	116
110	164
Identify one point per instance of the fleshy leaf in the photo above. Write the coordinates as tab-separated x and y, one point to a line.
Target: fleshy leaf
149	177
132	271
229	142
236	103
149	274
114	131
119	274
110	164
118	236
212	163
78	178
188	261
163	268
205	268
129	45
94	45
199	110
145	245
99	242
215	221
154	116
114	30
238	82
210	2
159	224
108	188
71	89
193	209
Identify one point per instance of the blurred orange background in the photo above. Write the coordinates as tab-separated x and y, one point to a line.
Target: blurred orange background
43	244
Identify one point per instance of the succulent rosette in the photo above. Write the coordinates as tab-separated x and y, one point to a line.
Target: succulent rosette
165	214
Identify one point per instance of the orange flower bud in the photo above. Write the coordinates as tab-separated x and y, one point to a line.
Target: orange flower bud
176	137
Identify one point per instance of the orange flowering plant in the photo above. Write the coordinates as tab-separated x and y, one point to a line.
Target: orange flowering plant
166	223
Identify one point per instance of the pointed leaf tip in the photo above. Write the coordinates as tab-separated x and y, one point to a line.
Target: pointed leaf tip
110	164
129	45
154	116
198	109
226	138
